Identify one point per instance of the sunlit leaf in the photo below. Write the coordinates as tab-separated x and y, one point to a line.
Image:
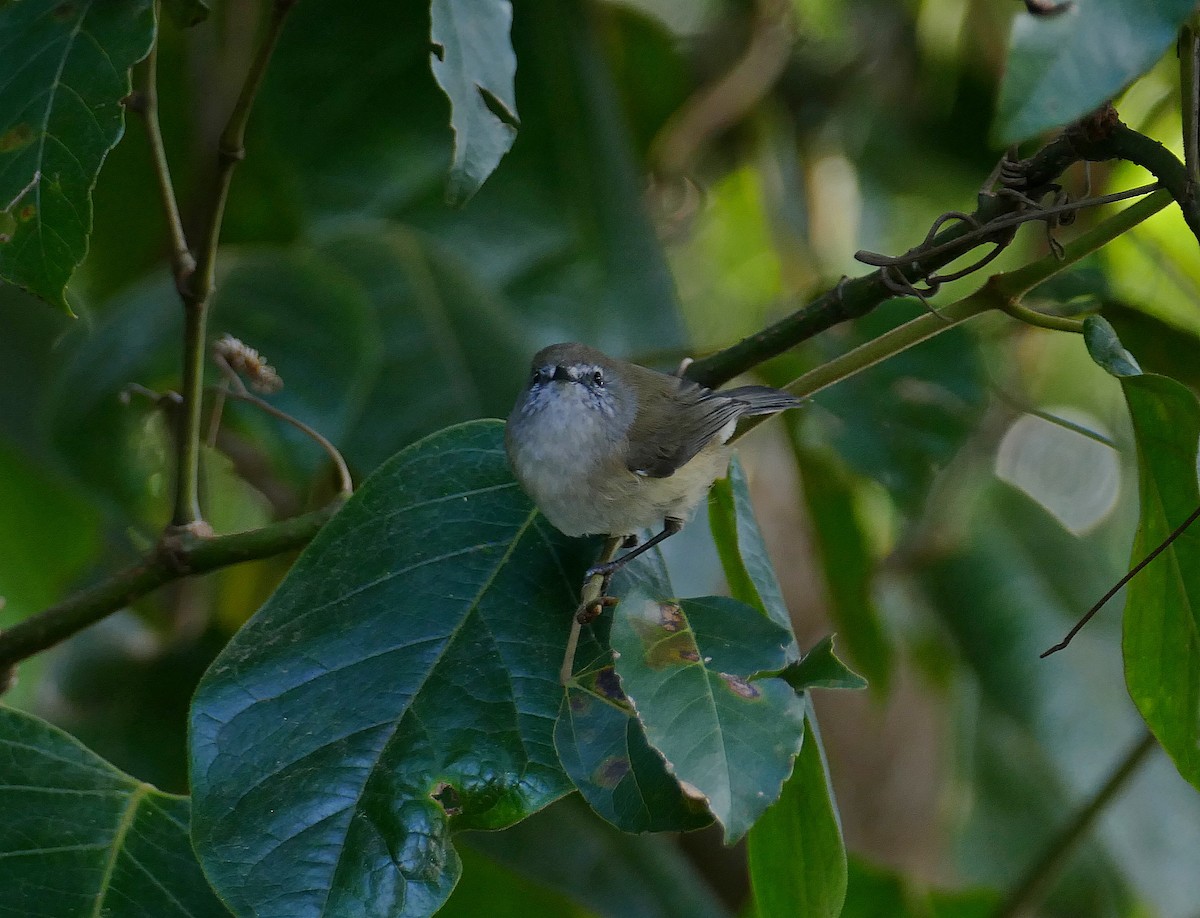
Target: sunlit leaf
795	851
1062	66
79	837
1162	605
473	61
401	683
64	69
684	666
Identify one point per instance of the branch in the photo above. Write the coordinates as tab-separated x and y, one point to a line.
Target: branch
1058	852
1189	92
175	557
1099	137
197	290
182	262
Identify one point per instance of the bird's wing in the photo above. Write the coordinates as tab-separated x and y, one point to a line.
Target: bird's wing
668	434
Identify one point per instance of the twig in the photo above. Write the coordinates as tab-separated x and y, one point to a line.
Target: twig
197	292
1133	572
345	482
1033	884
1189	86
182	262
716	107
181	558
592	593
1099	137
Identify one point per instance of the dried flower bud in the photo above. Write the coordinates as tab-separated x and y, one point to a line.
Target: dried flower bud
246	361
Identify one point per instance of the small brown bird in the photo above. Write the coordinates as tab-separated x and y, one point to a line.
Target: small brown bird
605	446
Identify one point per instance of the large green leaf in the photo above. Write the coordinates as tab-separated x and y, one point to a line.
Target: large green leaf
473	61
1060	67
1162	605
795	851
685	667
81	838
64	69
400	684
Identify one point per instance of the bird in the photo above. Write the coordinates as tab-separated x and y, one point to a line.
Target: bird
604	446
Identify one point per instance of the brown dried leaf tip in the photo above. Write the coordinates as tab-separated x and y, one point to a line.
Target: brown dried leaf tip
246	361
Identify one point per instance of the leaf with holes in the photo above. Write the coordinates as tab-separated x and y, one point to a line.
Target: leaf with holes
474	63
604	750
685	666
79	837
401	684
64	69
1162	606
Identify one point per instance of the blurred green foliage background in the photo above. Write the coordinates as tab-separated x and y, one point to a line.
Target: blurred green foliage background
918	509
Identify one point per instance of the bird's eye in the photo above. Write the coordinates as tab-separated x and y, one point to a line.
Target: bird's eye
598	379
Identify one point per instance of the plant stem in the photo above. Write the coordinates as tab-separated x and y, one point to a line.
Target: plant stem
182	262
182	559
197	293
1036	880
1100	137
1189	86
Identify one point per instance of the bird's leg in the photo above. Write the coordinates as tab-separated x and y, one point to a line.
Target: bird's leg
671	525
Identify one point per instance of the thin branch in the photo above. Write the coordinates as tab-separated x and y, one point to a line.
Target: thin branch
1189	87
198	290
1099	137
172	559
1133	572
1034	884
182	262
345	482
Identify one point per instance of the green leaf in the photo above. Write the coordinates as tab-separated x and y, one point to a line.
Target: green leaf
875	891
473	61
847	564
820	668
685	668
401	683
1105	348
603	749
453	349
489	889
795	851
64	69
79	837
1162	606
186	13
1061	67
741	548
567	848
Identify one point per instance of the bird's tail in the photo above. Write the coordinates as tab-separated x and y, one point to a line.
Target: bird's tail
762	399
